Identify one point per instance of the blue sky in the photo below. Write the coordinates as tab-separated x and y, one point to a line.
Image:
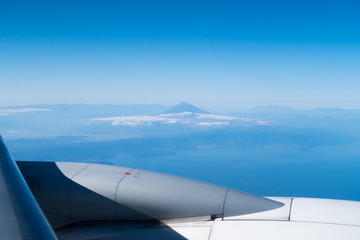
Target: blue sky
301	54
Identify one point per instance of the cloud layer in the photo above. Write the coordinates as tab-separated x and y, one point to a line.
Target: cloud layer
4	112
18	132
137	120
188	118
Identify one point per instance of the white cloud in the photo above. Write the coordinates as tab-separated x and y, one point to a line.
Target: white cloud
199	119
17	132
213	123
137	120
176	114
215	116
4	112
262	123
230	118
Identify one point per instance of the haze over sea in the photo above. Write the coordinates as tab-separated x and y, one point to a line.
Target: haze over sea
269	151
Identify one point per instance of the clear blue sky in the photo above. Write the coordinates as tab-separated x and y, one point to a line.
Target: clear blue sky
302	54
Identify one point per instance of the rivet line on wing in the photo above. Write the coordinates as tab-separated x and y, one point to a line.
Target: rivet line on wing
116	193
223	211
80	171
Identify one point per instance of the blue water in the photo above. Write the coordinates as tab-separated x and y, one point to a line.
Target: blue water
323	172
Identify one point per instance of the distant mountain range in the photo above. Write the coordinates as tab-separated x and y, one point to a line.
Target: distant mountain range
139	119
183	113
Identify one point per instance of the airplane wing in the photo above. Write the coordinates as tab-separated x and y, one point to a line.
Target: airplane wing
92	201
20	215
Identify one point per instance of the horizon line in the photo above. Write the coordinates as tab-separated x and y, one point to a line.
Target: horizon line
196	105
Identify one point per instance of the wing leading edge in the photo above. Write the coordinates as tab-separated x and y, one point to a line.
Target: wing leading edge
20	215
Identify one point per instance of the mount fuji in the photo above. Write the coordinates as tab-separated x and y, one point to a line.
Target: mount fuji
184	107
183	113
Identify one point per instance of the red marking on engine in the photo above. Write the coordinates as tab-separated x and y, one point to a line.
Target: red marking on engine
127	173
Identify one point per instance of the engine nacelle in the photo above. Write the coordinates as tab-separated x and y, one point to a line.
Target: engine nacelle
80	192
